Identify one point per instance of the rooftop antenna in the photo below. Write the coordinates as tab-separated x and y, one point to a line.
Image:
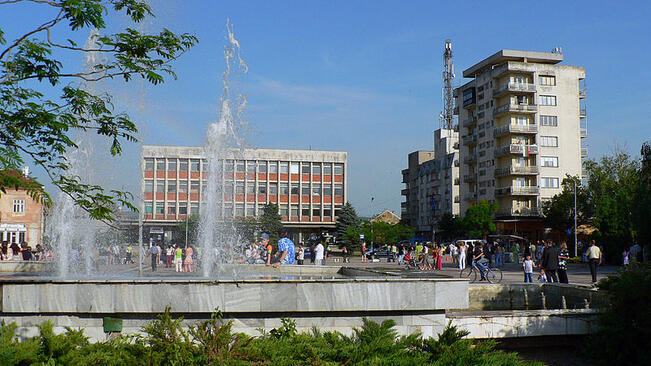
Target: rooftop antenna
447	115
558	50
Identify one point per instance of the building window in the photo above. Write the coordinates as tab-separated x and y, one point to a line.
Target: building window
293	168
327	212
316	169
19	206
339	190
327	190
171	187
160	208
262	167
305	168
273	167
316	211
284	210
250	166
160	186
228	210
183	165
149	164
548	80
250	188
228	189
240	166
194	165
339	169
262	188
171	164
250	209
549	161
149	208
239	188
305	189
183	208
547	182
149	186
316	189
549	141
183	186
305	211
284	189
229	166
194	186
547	99
521	120
327	169
294	211
549	121
160	164
171	208
295	189
239	210
284	167
273	189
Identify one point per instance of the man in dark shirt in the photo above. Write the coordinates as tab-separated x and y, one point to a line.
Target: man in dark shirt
479	257
549	261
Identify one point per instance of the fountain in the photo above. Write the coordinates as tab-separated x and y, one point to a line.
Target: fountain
217	239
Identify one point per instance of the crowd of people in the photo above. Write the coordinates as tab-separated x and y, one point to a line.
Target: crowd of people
24	252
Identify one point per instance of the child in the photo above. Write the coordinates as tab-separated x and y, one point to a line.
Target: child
542	277
528	265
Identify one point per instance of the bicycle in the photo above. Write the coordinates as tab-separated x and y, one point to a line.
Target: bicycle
492	275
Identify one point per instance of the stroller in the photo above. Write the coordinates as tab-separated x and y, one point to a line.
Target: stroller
410	259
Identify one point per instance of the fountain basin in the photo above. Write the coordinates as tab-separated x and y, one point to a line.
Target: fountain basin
25	266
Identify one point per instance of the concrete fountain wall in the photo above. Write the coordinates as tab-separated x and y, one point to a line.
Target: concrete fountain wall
332	304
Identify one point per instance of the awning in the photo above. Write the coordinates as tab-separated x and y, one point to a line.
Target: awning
12	227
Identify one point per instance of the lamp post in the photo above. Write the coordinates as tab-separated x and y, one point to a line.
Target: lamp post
576	245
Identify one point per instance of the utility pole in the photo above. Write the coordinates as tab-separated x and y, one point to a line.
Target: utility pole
448	75
576	244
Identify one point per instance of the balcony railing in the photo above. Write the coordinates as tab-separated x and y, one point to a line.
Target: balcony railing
582	93
455	128
469	139
455	145
404	192
515	108
515	87
469	178
517	191
520	211
470	196
584	152
516	170
502	130
456	199
516	149
456	181
584	132
583	113
470	122
512	66
470	159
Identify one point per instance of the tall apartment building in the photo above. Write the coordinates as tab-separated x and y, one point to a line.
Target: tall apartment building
308	186
523	129
432	183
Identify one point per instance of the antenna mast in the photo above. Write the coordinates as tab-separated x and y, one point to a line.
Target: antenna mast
448	75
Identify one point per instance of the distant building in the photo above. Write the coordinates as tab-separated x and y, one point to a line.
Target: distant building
523	129
386	216
309	186
21	217
432	183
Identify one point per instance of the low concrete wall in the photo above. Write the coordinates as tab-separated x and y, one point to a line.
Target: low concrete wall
415	304
25	266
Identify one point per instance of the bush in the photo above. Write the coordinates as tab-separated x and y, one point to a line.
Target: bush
212	342
624	335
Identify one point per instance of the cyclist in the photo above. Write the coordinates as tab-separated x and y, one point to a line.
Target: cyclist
479	259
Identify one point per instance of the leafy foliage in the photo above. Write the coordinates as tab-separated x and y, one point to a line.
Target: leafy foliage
450	227
39	130
478	220
624	333
270	221
191	223
212	342
559	211
346	218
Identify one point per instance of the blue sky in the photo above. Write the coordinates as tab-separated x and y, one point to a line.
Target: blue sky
365	76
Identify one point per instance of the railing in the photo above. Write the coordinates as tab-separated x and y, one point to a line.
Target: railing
515	170
524	108
520	211
517	191
456	181
584	132
583	113
455	128
470	159
455	145
515	87
456	199
469	139
470	196
582	93
515	129
456	162
469	178
516	149
404	192
470	122
584	152
511	66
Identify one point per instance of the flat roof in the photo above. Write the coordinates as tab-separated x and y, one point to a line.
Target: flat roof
197	152
513	55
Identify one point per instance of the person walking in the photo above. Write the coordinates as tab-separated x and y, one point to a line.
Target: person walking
462	256
168	256
178	259
549	261
318	254
439	258
563	256
188	259
594	259
344	254
154	257
364	259
129	258
300	255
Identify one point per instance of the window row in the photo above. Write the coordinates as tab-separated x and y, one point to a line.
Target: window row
548	182
158	208
547	100
251	166
316	189
19	206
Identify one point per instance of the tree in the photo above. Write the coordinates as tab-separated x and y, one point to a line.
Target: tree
478	220
39	130
450	227
270	221
347	217
559	211
247	228
191	223
642	199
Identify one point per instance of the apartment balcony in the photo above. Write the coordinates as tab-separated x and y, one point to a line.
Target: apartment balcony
584	132
456	162
516	170
404	192
517	191
404	205
503	130
515	108
516	149
455	128
514	88
582	93
455	111
512	67
457	181
470	139
583	113
472	121
456	145
470	103
472	196
470	159
584	152
456	199
520	211
469	178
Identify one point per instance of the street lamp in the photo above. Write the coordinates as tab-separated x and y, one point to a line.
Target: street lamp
576	244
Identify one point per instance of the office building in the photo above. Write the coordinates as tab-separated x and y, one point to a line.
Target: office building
308	186
522	122
21	217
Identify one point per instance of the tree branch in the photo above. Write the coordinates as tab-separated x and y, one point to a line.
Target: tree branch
43	26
